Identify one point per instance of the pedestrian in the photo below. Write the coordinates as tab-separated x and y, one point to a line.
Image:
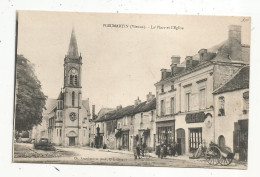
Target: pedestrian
138	150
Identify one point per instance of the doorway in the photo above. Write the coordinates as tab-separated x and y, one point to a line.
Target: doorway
71	141
221	141
181	140
125	141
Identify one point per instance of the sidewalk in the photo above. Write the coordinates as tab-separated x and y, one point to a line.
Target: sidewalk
152	155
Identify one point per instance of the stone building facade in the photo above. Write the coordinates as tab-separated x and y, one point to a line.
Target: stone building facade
232	113
125	127
68	123
185	104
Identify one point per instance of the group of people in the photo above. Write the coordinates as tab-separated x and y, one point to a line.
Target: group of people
139	150
173	149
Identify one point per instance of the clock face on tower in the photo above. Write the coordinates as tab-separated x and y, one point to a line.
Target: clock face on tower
73	116
73	71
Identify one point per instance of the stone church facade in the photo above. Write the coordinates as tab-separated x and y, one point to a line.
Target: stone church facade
68	123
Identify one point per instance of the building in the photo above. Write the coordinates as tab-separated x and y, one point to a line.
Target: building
97	128
41	130
68	123
185	104
125	127
232	113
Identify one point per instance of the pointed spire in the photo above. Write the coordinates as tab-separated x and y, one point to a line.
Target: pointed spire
61	96
73	47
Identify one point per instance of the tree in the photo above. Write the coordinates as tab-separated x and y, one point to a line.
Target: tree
30	100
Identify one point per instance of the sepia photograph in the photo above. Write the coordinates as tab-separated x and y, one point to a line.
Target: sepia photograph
131	89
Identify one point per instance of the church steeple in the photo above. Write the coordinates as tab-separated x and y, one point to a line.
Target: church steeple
73	47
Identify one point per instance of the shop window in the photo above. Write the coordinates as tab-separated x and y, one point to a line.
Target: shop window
202	98
188	101
195	138
221	102
166	135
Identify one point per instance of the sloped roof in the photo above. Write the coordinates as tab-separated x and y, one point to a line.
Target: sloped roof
222	51
102	112
145	106
61	96
50	105
239	81
73	47
128	111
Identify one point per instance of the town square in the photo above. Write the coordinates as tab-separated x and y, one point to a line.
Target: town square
169	93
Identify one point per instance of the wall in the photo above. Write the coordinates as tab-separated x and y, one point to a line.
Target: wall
222	73
233	112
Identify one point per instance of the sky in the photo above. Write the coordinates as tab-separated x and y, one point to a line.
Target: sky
119	64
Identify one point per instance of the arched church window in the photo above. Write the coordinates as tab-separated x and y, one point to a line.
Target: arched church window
71	79
76	80
73	76
73	98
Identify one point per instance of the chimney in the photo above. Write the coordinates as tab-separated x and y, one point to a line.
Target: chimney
119	107
150	97
175	62
137	101
234	41
93	112
202	53
164	72
188	60
176	59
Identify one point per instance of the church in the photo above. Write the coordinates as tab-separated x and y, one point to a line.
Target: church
68	119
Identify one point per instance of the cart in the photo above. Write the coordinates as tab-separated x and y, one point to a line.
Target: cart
219	155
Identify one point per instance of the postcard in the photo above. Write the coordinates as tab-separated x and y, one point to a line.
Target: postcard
132	89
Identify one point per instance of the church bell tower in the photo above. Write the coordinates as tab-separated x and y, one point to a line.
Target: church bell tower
72	92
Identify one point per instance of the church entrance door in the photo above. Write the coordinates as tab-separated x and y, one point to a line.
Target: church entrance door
71	141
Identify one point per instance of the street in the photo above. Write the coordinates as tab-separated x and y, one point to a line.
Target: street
24	153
